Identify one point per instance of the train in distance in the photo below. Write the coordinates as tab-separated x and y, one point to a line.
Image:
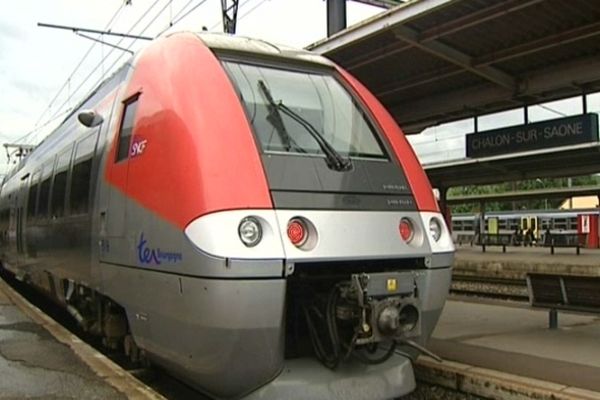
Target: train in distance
540	222
245	215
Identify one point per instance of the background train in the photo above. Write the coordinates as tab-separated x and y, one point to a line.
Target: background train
245	215
464	226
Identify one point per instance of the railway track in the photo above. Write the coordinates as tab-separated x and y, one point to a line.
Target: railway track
161	382
489	287
435	380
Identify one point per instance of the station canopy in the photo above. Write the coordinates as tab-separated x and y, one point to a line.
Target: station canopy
437	61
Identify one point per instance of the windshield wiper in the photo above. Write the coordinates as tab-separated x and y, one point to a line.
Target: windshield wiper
334	159
274	117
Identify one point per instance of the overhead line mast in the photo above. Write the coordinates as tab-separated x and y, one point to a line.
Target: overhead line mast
229	10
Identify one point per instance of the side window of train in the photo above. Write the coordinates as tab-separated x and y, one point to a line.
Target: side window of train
82	173
44	196
59	186
126	128
32	197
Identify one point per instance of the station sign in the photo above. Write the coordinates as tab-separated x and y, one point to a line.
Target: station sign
539	135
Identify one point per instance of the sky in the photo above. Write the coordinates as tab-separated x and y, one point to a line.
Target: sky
36	63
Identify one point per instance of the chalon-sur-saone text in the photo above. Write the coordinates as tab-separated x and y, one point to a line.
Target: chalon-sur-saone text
528	135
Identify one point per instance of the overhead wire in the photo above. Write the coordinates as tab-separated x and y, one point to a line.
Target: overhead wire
89	50
181	10
243	15
178	17
160	12
144	30
54	118
177	20
88	76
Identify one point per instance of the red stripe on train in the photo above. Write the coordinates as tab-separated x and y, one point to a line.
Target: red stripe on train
196	157
417	179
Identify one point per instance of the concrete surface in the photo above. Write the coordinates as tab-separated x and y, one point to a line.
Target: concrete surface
39	359
517	261
35	365
490	384
515	339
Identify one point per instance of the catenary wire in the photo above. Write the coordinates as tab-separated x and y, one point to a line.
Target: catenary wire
89	50
148	10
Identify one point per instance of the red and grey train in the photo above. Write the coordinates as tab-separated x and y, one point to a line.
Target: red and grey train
245	215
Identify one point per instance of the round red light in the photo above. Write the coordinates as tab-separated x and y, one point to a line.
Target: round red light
406	230
296	231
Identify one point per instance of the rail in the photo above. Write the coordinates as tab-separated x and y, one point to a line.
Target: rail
564	292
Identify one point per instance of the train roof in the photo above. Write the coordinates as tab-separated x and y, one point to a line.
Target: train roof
243	44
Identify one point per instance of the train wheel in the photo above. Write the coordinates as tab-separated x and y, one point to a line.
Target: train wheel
132	351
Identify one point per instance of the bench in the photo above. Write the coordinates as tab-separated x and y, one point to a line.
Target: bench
494	239
573	240
465	238
563	292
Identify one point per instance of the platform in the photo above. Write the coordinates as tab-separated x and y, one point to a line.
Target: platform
517	261
515	339
40	359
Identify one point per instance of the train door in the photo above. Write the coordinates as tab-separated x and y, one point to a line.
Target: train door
530	223
17	224
114	246
20	216
492	226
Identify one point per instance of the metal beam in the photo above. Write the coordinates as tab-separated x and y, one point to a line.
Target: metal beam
527	195
76	29
552	83
386	20
546	42
443	29
413	81
475	18
380	3
456	57
581	159
336	16
229	13
376	55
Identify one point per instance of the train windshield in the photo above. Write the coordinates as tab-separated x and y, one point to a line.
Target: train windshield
304	112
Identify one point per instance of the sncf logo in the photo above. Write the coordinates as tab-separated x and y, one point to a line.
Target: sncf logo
137	147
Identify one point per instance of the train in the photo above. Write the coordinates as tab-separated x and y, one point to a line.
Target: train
244	215
539	222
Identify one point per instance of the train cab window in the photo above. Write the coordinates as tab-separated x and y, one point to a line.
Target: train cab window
126	129
308	101
59	187
81	176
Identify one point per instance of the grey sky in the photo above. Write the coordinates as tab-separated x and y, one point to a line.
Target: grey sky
35	62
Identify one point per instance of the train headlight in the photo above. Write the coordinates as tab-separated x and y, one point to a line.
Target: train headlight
297	232
435	228
250	231
407	231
